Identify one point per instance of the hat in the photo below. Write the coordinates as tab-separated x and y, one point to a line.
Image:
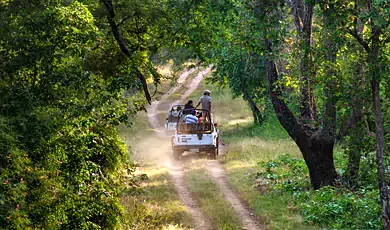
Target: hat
207	91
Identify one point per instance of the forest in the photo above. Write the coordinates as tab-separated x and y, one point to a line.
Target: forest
314	73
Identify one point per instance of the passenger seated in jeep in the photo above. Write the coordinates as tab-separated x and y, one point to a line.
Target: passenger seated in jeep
191	122
189	107
191	118
175	112
200	117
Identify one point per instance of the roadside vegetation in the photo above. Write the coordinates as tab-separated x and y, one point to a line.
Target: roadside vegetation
267	169
155	205
300	91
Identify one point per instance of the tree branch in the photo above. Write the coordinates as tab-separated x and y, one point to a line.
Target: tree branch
359	39
118	37
123	20
369	133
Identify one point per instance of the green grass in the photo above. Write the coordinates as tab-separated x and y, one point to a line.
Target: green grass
157	206
274	208
247	145
211	199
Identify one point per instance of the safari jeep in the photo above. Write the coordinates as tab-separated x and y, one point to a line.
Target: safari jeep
172	117
200	137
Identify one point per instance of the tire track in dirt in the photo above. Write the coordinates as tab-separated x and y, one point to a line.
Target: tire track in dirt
176	171
247	218
214	168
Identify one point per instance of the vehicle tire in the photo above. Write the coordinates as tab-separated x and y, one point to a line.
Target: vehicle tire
217	146
213	154
177	154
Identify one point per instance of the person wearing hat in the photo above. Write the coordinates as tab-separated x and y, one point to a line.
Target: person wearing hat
205	100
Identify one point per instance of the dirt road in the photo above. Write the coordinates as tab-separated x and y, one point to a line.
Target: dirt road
214	168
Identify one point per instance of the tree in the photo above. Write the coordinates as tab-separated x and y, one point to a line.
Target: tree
303	12
375	16
233	53
62	159
315	142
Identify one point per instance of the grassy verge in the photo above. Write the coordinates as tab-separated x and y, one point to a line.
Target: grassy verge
157	206
247	145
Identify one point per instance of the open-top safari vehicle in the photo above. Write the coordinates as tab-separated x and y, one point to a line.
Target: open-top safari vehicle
202	136
171	120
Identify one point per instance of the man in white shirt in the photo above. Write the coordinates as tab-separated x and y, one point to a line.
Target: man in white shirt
205	100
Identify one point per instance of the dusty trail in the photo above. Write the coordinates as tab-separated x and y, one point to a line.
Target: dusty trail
176	168
214	168
218	175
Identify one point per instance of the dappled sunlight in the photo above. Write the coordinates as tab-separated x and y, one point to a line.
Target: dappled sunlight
151	171
239	121
174	227
166	70
235	165
263	149
154	183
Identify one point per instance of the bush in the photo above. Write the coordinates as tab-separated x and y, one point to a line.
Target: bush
340	208
334	207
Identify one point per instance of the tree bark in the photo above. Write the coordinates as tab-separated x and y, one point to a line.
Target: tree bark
122	45
257	116
356	127
379	131
303	19
373	60
316	146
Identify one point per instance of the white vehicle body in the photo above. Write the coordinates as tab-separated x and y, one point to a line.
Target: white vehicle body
195	138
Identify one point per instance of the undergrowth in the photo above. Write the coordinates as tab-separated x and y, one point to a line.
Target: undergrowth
267	169
335	207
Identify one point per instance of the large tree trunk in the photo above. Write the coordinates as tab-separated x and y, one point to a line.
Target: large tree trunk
317	151
316	145
257	116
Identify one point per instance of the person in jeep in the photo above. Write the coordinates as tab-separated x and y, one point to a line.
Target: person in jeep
205	100
189	107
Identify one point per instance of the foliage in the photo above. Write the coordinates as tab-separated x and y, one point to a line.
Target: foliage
335	207
62	161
